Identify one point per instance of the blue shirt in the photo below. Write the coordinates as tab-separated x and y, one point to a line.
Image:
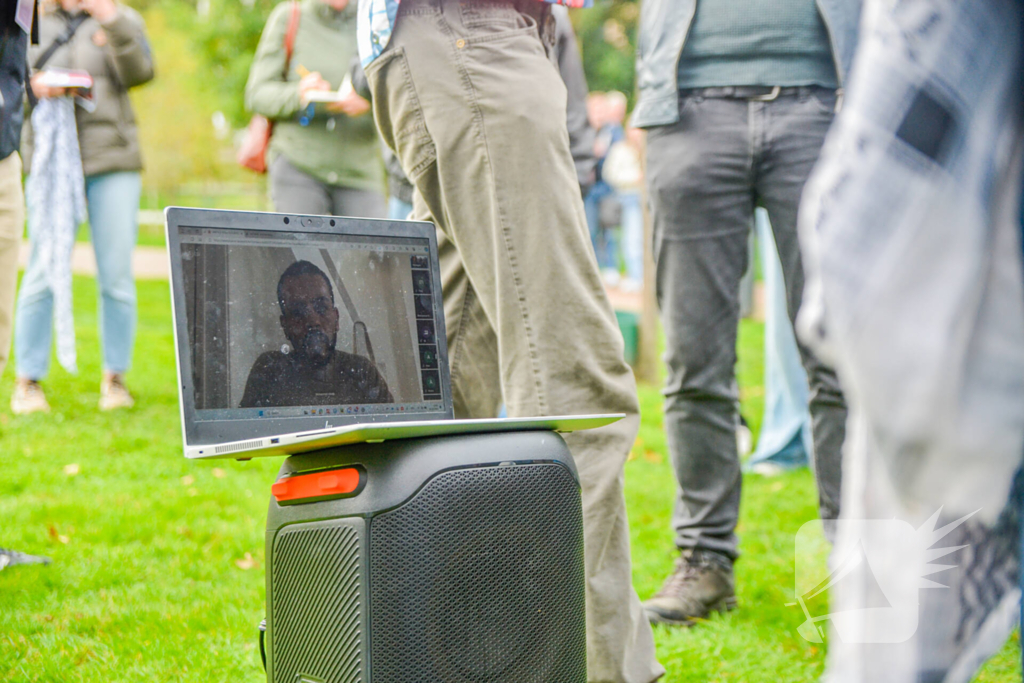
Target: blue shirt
377	20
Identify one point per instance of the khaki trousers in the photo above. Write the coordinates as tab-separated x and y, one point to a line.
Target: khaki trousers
468	100
12	226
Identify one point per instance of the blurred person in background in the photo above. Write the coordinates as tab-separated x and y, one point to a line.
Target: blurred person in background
13	47
108	41
324	158
911	232
577	119
736	98
602	211
623	171
784	441
399	188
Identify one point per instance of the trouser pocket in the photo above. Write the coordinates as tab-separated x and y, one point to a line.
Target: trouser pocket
399	113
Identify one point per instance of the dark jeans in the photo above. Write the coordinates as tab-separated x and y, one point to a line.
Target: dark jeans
706	174
295	191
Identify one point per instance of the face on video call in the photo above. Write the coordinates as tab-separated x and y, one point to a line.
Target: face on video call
309	317
310	370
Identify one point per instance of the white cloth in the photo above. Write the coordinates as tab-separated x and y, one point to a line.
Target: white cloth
55	194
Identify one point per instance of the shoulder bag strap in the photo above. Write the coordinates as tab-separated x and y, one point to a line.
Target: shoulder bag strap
289	37
69	31
66	35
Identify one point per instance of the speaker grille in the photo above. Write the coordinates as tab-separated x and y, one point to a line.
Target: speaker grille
315	625
479	578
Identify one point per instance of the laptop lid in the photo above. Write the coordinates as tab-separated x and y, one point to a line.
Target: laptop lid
286	323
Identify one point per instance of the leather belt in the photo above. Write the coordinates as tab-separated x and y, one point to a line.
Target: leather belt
755	93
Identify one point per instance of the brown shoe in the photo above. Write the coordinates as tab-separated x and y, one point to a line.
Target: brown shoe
701	583
113	393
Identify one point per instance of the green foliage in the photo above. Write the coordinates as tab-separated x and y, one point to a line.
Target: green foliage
173	115
183	155
225	41
607	36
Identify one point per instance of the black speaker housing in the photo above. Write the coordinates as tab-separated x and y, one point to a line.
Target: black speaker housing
456	560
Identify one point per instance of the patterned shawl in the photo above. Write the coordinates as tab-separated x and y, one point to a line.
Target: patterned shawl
55	194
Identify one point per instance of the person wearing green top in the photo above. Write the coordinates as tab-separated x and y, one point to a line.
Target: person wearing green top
324	158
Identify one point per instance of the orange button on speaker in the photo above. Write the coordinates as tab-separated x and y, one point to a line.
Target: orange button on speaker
317	485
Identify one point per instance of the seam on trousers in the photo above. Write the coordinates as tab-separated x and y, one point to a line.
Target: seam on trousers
455	351
509	253
420	133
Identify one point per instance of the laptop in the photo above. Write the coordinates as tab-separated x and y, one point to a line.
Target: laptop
296	333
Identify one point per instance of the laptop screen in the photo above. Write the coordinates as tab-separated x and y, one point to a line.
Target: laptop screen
303	328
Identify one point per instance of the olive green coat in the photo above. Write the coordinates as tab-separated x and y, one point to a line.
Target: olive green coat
333	148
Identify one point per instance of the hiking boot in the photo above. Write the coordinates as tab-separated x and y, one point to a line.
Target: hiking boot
113	393
701	583
9	558
28	397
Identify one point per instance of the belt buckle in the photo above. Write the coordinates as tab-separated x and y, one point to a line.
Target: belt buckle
769	97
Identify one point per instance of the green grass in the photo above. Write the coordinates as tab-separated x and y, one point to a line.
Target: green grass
149	580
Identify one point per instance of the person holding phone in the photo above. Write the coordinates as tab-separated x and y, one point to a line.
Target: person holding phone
108	41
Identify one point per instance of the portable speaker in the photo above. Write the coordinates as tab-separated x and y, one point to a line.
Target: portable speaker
444	560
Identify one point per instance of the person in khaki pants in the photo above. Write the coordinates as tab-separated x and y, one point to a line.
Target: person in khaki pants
13	54
467	96
13	47
12	225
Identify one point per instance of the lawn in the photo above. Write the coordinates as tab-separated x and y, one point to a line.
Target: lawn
158	562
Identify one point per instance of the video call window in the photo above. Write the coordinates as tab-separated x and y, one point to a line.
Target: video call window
283	321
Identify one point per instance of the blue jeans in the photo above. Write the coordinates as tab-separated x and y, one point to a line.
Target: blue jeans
785	438
113	202
632	234
603	239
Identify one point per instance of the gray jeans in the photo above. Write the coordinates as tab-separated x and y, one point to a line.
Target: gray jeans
294	191
706	174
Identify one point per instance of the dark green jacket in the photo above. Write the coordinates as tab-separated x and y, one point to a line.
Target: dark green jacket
118	57
335	149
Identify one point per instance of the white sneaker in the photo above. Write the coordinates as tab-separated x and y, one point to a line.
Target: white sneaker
767	469
28	397
113	393
744	440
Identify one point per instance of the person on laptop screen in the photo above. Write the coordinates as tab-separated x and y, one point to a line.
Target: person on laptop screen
311	371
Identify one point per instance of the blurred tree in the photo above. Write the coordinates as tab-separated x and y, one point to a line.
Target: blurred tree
225	34
173	113
607	36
